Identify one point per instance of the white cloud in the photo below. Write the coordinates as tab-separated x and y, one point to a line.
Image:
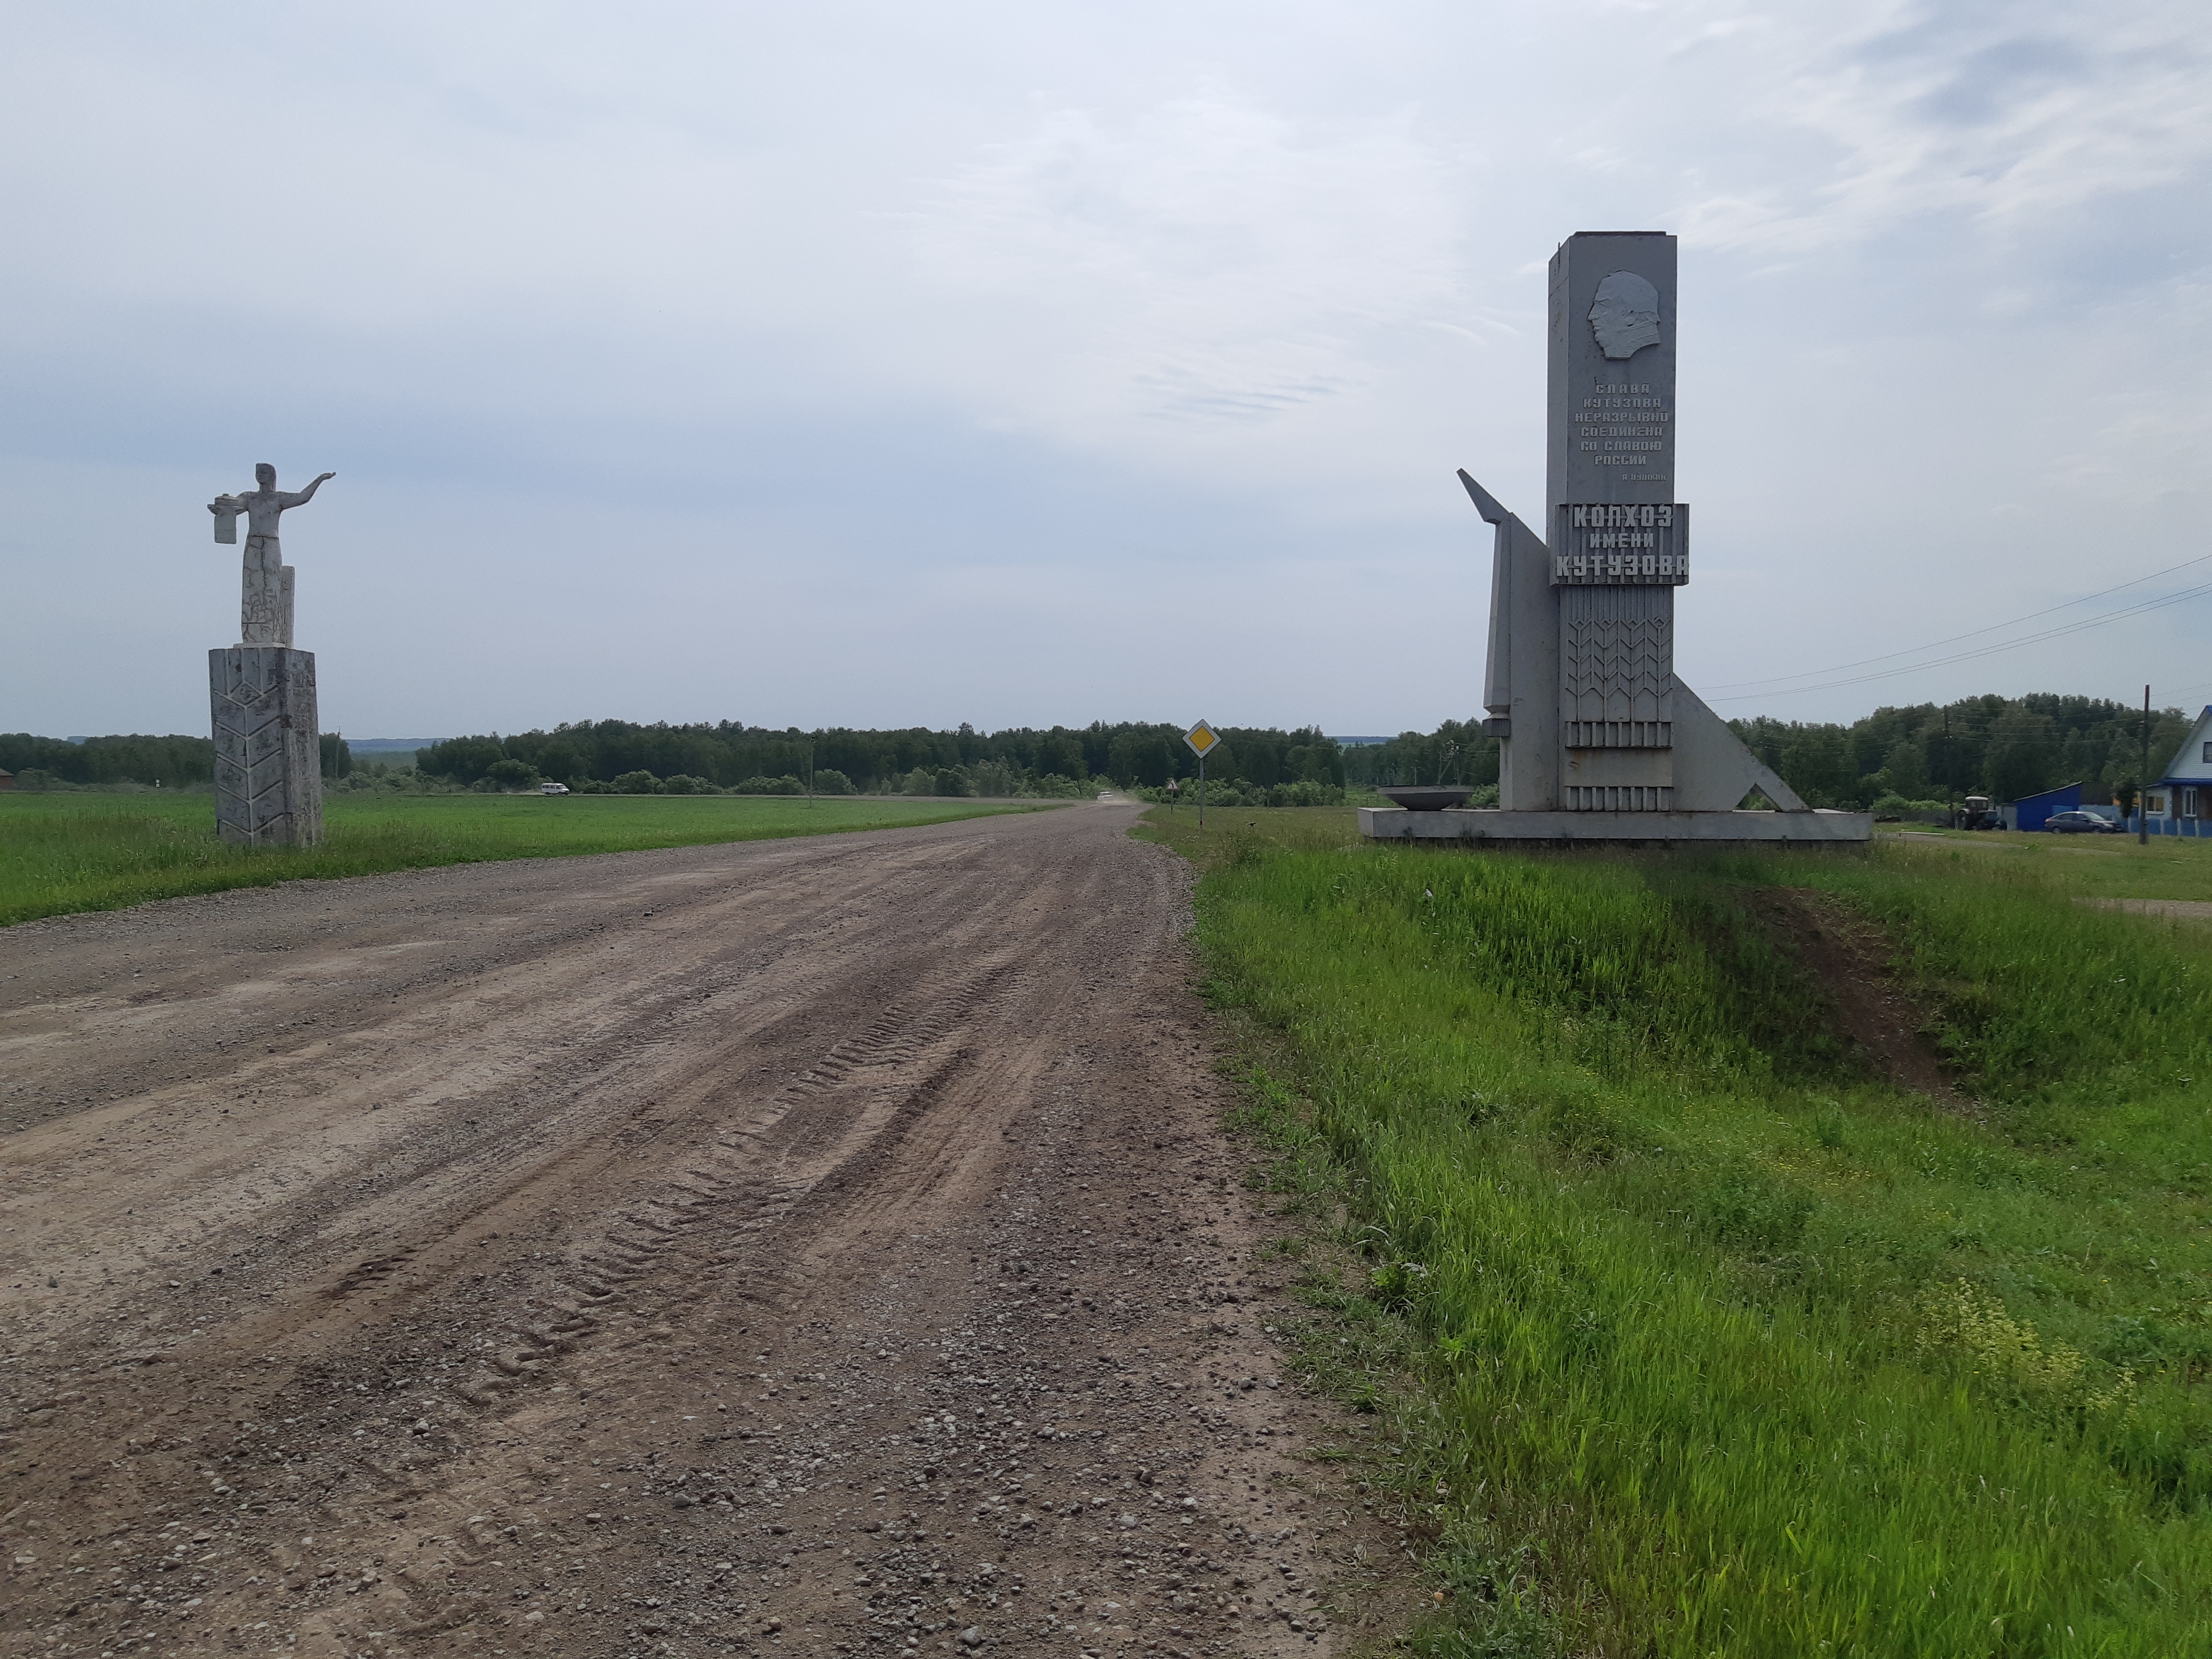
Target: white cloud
1202	262
2012	116
918	326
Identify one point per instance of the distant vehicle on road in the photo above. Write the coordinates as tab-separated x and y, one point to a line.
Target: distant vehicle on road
2078	823
552	788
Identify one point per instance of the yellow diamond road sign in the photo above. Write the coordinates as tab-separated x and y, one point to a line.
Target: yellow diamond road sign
1202	739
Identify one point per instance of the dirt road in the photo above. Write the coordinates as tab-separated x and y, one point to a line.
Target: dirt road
821	1246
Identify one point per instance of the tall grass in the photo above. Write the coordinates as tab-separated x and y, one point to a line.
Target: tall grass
1751	1353
65	851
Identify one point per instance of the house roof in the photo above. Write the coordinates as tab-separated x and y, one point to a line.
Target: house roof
2189	765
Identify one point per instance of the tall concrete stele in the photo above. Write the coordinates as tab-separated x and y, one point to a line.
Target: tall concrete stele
268	746
1598	740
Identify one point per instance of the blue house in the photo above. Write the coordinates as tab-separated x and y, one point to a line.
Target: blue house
2171	805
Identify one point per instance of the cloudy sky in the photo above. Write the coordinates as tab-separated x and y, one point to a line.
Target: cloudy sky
892	364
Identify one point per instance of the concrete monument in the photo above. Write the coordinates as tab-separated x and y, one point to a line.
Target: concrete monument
1599	741
268	745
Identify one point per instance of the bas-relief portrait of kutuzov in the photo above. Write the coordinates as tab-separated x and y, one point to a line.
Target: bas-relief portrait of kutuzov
1624	316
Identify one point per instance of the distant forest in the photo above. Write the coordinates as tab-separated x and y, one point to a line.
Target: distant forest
1992	745
965	762
170	763
2001	747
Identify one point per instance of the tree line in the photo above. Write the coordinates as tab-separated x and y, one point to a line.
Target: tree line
175	761
730	755
2002	747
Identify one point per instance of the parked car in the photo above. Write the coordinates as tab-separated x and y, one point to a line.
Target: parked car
2077	823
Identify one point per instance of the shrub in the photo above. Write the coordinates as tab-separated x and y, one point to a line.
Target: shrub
830	781
637	783
1913	811
684	784
783	786
512	775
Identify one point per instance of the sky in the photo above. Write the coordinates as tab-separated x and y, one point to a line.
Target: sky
886	365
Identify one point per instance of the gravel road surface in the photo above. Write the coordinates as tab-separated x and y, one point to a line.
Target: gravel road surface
818	1247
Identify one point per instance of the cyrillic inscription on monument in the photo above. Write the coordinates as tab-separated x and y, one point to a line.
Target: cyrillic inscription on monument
1629	424
1646	543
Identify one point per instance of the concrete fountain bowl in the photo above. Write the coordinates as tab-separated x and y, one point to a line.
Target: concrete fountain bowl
1415	799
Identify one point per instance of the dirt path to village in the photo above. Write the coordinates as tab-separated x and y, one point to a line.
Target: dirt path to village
821	1247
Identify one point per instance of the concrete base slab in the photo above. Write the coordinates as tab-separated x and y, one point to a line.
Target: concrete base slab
1736	828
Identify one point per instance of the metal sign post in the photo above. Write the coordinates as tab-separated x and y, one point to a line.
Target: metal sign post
1203	740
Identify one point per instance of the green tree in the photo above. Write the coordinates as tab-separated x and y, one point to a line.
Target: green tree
2023	751
1904	770
463	760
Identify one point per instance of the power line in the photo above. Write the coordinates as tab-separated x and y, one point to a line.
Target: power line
2082	627
1914	651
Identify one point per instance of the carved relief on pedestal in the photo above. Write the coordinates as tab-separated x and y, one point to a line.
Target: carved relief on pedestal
1616	666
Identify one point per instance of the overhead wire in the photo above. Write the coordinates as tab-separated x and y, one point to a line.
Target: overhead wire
1914	651
2081	626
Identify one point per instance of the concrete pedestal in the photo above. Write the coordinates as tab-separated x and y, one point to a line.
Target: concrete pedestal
268	746
1717	829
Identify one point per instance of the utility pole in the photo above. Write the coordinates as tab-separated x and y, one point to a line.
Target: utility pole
2143	789
1950	770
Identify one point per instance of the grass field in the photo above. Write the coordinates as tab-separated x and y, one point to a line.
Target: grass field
65	851
1718	1344
2097	866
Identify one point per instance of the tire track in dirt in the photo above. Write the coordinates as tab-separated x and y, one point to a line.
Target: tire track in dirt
827	1247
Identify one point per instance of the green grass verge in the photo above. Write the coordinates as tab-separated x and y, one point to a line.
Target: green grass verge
62	852
2093	867
1726	1347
